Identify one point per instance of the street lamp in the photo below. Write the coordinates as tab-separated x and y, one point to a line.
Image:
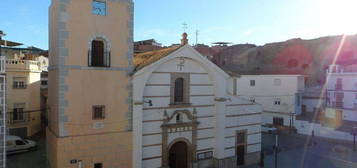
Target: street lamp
354	134
276	147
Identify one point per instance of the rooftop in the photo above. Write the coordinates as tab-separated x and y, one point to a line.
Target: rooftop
144	59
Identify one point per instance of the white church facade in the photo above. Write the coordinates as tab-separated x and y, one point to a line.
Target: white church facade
186	116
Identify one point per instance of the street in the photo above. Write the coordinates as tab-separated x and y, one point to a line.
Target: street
293	153
296	153
32	159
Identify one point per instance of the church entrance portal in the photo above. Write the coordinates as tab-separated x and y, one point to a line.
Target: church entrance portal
178	155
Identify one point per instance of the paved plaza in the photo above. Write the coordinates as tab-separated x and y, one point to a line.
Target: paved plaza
295	152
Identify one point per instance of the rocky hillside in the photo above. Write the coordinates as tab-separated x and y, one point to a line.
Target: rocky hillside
296	56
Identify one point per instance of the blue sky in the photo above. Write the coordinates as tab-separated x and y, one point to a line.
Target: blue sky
237	21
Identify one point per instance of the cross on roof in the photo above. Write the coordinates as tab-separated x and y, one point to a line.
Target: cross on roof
185	26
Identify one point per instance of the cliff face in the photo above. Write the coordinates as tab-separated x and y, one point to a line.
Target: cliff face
296	56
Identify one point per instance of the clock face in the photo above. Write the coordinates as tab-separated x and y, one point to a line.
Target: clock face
99	8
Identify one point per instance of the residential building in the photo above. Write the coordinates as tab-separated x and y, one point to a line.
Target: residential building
23	93
2	105
341	96
90	50
23	87
146	45
313	104
280	95
185	115
3	129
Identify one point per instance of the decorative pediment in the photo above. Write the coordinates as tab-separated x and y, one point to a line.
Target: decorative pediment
180	118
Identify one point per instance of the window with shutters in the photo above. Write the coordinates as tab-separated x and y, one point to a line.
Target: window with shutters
98	55
98	112
180	85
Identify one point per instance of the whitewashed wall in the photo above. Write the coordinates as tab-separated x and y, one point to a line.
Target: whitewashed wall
265	92
207	82
306	128
349	88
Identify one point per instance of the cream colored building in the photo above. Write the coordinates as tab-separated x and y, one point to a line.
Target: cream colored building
280	95
91	49
23	97
186	115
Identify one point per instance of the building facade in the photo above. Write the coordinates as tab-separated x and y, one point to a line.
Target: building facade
341	95
280	95
3	109
313	104
23	92
91	48
185	115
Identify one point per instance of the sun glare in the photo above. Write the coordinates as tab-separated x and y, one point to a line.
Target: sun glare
337	16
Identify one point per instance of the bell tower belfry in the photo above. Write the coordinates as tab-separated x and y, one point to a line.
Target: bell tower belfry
89	106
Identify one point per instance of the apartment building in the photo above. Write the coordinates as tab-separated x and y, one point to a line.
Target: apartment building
23	93
2	106
341	96
280	95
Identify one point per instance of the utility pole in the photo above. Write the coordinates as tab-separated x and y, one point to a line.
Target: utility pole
276	150
196	37
354	134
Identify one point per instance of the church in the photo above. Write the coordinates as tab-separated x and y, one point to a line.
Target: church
176	109
186	113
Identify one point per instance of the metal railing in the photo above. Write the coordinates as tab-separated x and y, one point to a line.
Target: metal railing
2	64
338	86
338	104
18	117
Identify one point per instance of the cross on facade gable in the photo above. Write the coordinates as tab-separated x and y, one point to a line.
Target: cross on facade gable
181	64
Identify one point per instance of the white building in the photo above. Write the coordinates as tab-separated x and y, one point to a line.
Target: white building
341	96
280	95
313	103
185	115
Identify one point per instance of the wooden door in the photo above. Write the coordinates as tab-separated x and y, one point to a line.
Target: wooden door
240	147
178	155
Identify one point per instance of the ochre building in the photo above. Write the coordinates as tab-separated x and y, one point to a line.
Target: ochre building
91	46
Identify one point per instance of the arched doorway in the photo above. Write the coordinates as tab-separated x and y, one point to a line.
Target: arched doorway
178	155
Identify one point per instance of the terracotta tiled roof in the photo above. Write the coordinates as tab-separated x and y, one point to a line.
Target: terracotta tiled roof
144	59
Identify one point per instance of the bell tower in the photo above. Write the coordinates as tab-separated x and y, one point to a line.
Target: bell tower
89	107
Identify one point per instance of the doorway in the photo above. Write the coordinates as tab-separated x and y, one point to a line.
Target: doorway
241	148
178	155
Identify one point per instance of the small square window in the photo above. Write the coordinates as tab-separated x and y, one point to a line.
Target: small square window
277	101
99	7
98	165
252	82
98	112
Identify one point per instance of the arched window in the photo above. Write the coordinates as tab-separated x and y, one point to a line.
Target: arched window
98	55
179	90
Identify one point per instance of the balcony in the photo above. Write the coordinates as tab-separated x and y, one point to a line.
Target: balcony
338	104
2	64
18	118
338	87
28	65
